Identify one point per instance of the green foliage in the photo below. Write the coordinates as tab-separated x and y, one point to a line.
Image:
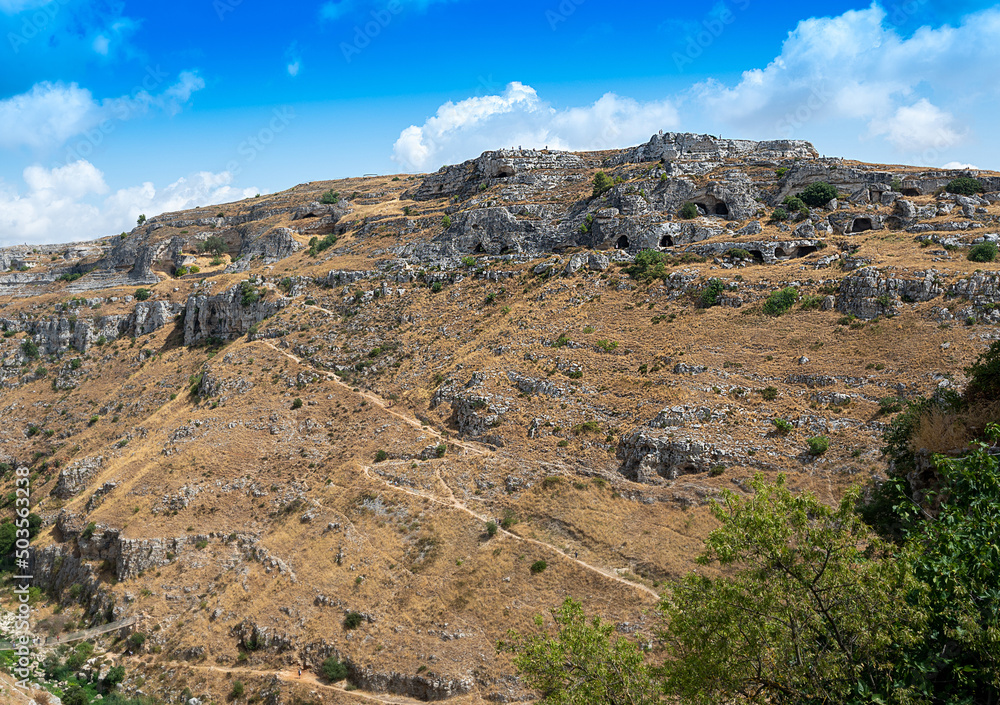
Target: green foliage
237	691
818	445
353	620
809	610
562	341
214	245
583	663
333	670
538	566
607	345
316	245
181	271
602	184
446	221
30	349
964	186
795	204
818	194
779	214
249	294
381	456
983	252
69	277
141	219
436	287
784	427
509	519
984	376
88	531
781	171
769	393
649	265
689	211
891	405
330	197
779	302
74	694
739	253
491	528
440	450
297	404
142	294
137	639
468	261
710	294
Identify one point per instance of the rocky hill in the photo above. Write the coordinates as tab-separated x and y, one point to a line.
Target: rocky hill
386	419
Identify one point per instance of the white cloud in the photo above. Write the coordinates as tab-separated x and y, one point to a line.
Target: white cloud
293	69
959	165
854	71
12	7
51	113
101	44
293	57
339	9
518	117
73	203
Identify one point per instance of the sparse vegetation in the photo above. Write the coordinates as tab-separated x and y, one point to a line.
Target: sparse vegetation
818	194
330	197
779	302
964	186
602	184
689	211
983	252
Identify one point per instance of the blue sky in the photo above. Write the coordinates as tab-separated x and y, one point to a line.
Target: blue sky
114	108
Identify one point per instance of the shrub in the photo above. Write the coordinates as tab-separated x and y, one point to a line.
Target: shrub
440	450
380	456
586	427
249	294
607	345
333	670
491	528
137	639
649	265
890	405
818	445
818	194
781	171
69	277
297	404
201	545
446	221
794	203
237	691
783	426
509	519
436	287
468	261
739	253
180	271
29	349
983	252
142	294
602	184
353	620
780	302
75	363
769	393
779	214
964	186
538	566
93	419
689	211
330	197
984	376
141	219
710	294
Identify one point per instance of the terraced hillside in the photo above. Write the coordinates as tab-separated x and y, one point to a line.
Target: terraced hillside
386	419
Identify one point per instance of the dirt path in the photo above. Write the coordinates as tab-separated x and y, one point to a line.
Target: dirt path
453	503
307	678
385	405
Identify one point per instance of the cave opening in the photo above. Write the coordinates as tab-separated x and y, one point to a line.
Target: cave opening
721	208
622	243
666	241
861	224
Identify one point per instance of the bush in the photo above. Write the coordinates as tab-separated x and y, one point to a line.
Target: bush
381	456
353	620
180	271
602	184
964	186
333	670
141	219
983	252
769	393
68	277
710	294
780	302
984	376
818	445
297	404
784	427
237	691
818	194
29	349
649	265
794	203
468	261
137	639
446	221
739	253
440	450
142	294
538	566
249	294
607	345
330	197
779	214
689	211
491	528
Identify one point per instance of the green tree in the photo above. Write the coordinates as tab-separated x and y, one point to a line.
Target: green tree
141	219
779	302
215	245
333	670
30	349
809	609
330	197
602	184
983	252
689	211
818	194
8	537
142	294
964	186
984	375
649	265
581	664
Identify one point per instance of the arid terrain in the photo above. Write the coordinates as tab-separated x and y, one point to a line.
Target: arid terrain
291	445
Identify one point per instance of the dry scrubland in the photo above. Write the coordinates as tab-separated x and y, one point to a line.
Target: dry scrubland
264	472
